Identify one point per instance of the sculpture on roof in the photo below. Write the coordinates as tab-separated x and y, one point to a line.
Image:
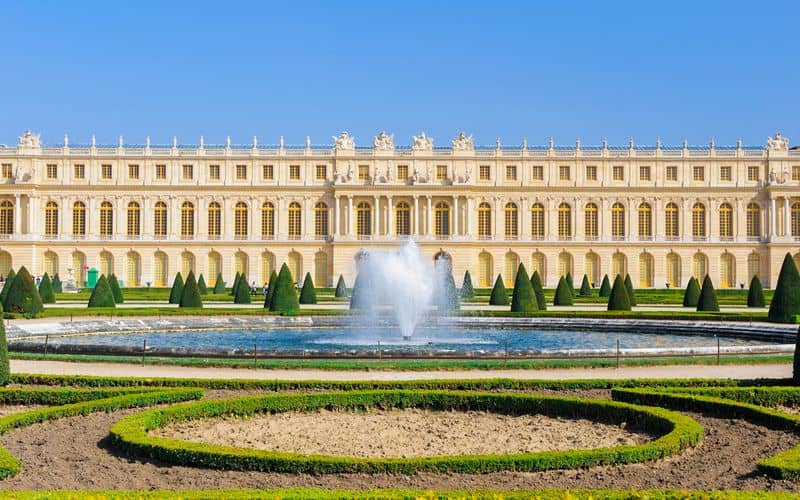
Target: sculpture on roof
463	143
29	140
777	143
383	142
422	142
344	141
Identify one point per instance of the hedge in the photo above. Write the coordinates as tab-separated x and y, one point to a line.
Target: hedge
676	433
563	295
5	368
177	289
219	285
630	290
308	294
692	293
115	289
785	305
7	285
241	291
499	296
467	290
605	287
102	296
57	286
284	299
755	293
618	299
708	297
341	288
190	295
201	285
586	288
23	296
273	278
538	290
523	299
46	290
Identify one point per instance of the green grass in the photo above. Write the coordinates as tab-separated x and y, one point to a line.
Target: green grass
672	296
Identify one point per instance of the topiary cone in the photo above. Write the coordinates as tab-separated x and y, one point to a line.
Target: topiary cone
618	299
499	297
241	291
449	301
57	286
190	296
308	295
285	298
755	293
23	296
273	278
177	290
46	290
563	296
785	305
7	285
570	283
708	297
341	288
629	289
201	285
692	293
236	279
605	287
467	291
523	299
586	288
538	291
796	364
115	289
102	296
219	284
5	369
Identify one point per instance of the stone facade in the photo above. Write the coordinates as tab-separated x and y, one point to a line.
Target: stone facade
147	211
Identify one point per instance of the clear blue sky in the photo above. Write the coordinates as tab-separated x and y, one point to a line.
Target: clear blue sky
493	69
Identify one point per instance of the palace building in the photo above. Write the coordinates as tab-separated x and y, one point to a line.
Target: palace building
145	212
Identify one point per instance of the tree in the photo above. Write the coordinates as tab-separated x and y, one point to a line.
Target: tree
499	297
201	285
177	290
692	293
115	289
467	291
586	288
571	283
341	288
629	289
219	284
57	286
785	305
102	296
5	369
46	290
190	295
538	291
273	278
7	285
605	287
523	299
708	297
563	296
755	293
285	298
241	291
308	295
618	299
23	297
236	280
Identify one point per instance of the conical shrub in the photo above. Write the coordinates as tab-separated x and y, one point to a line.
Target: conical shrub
467	291
23	296
219	285
102	296
796	364
177	290
241	292
201	285
46	290
5	369
570	283
708	297
308	294
273	278
586	288
341	288
359	295
449	299
58	287
285	298
115	289
523	299
618	299
538	291
692	293
605	287
630	290
785	305
236	279
190	295
755	293
7	285
563	296
499	296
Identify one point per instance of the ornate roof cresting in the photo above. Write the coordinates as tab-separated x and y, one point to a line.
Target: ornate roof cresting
421	142
777	143
463	143
344	141
29	140
383	141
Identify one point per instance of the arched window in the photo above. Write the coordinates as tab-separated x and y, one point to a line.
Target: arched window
673	269
484	221
725	221
590	221
591	266
753	221
796	220
753	266
241	264
187	220
618	221
267	266
485	269
50	263
321	269
267	221
214	220
160	269
133	269
671	222
645	270
645	222
214	267
106	219
510	266
51	219
6	217
564	263
699	222
296	266
79	219
619	264
5	263
511	218
79	267
363	221
538	263
402	219
321	230
727	270
187	263
699	267
441	220
160	222
240	217
295	221
537	221
106	264
134	228
564	221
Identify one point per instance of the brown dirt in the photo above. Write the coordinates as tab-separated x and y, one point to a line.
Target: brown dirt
9	409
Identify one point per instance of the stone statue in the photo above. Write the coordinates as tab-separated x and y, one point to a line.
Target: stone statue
281	142
389	173
350	171
344	141
430	173
174	142
308	142
772	177
777	143
383	142
464	143
421	142
415	176
29	140
228	142
468	174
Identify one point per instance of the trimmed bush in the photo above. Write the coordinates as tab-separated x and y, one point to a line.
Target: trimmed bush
618	300
308	295
708	297
467	291
57	286
285	298
629	289
23	296
563	296
341	288
219	285
102	296
523	299
7	285
449	299
241	291
358	298
273	278
201	285
5	369
46	290
190	296
755	293
236	280
796	364
499	297
115	289
177	290
538	291
785	305
586	288
570	283
605	287
692	293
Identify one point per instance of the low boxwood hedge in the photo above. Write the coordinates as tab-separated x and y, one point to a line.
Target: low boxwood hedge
676	432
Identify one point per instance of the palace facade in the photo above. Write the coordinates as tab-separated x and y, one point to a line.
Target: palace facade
147	211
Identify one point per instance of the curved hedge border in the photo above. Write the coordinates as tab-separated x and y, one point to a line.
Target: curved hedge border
677	433
784	465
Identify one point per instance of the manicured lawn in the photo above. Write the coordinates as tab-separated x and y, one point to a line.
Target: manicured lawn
725	296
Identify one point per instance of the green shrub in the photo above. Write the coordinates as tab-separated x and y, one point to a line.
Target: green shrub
499	297
618	300
201	285
708	297
692	294
273	279
563	295
241	291
219	285
586	288
523	299
755	293
102	296
285	298
449	300
236	280
570	283
5	369
341	288
23	296
46	290
190	295
308	295
57	286
629	289
785	305
467	291
177	290
605	287
538	291
115	289
796	364
7	285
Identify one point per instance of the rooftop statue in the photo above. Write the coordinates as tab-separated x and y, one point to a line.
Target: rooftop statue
29	140
344	141
777	143
383	142
463	143
421	142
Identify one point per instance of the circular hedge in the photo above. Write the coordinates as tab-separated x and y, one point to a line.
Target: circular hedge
676	432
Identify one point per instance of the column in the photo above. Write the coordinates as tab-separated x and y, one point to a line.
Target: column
34	218
787	218
632	228
415	218
304	217
389	218
174	220
336	210
468	218
454	225
350	225
278	214
429	228
17	210
376	211
65	211
772	218
120	227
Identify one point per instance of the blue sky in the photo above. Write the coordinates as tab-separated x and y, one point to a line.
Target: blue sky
493	69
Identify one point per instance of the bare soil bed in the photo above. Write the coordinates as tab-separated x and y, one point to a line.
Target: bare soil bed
403	433
10	409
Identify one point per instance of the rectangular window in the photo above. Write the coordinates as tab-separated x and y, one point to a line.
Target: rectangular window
796	172
752	172
698	173
267	172
564	172
591	172
725	173
321	172
188	172
105	171
79	171
484	173
537	173
213	172
363	172
161	172
402	173
294	172
52	171
618	173
644	173
6	168
441	172
241	172
671	173
133	171
511	172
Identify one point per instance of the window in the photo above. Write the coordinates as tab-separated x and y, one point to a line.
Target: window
106	219
363	221
590	221
485	269
240	216
133	269
618	172
52	171
753	265
363	172
537	221
725	173
644	173
241	172
294	172
564	221
267	221
564	173
752	172
753	220
484	172
402	219
79	171
105	171
618	221
725	222
214	220
6	170
645	221
161	172
511	218
796	172
321	172
160	220
213	172
441	172
79	219
51	219
698	173
699	267
188	172
133	172
510	267
295	221
591	172
673	270
511	172
402	173
134	226
645	270
484	221
671	219
699	221
441	222
537	172
671	173
268	174
187	220
321	221
727	268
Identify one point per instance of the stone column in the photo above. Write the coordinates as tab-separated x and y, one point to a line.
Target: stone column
278	214
336	204
468	217
376	214
415	218
389	218
772	218
429	228
454	224
17	209
787	221
350	225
